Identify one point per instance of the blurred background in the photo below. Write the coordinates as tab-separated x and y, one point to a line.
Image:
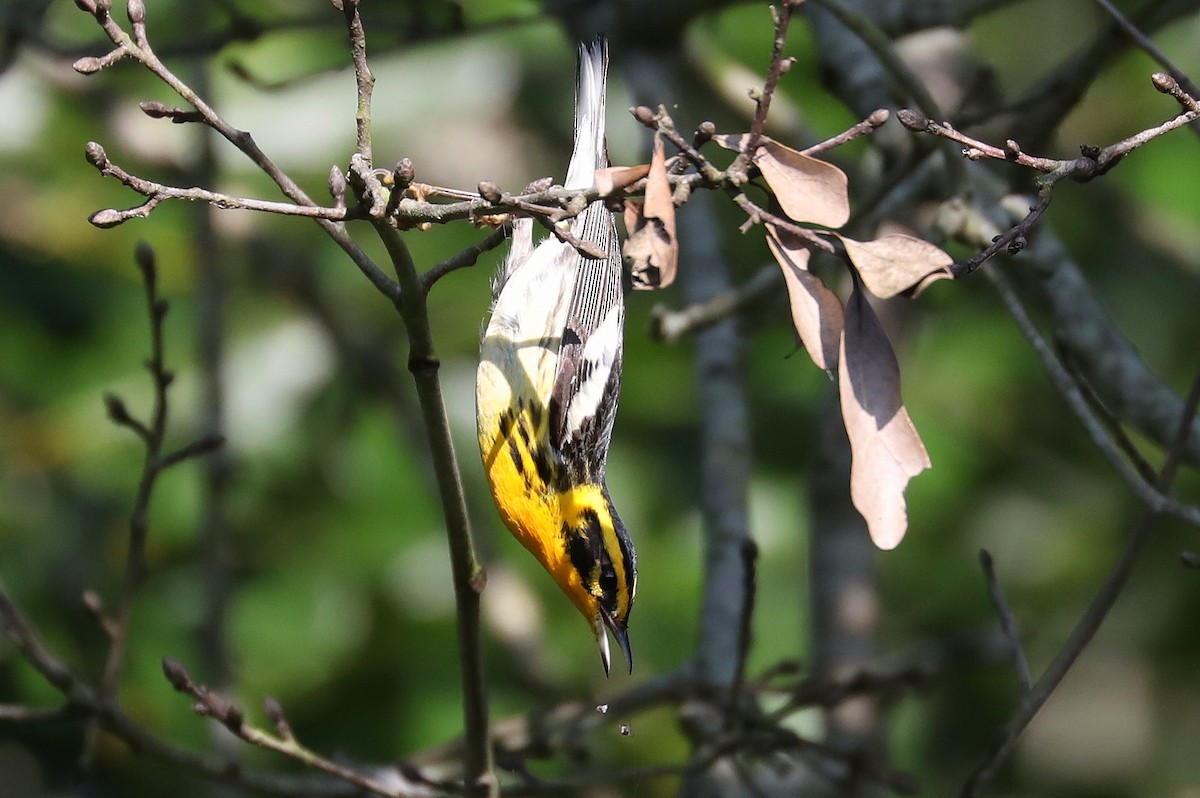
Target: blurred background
307	560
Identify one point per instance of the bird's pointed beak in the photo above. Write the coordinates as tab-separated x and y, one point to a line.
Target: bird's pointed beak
621	634
602	639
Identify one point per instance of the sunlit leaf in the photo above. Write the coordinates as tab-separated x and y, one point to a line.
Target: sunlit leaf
896	263
808	189
886	450
816	311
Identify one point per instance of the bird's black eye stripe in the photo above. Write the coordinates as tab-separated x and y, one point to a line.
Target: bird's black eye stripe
581	547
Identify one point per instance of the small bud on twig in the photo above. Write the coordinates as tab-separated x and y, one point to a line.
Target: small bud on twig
1164	83
913	120
106	217
96	155
643	115
88	65
93	603
233	717
404	173
136	10
337	186
274	713
877	117
177	675
86	5
490	192
117	412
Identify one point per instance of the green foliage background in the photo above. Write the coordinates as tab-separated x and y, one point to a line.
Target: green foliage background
342	606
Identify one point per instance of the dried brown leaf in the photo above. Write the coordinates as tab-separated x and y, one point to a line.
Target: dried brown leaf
731	141
886	450
808	189
618	178
652	248
896	263
816	311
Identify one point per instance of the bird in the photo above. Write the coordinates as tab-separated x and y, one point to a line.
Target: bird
547	387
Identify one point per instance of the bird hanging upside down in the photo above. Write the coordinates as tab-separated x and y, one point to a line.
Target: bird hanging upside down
546	391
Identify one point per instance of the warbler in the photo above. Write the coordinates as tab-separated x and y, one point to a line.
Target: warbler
547	387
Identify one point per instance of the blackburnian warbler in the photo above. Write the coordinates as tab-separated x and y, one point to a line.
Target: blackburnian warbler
547	386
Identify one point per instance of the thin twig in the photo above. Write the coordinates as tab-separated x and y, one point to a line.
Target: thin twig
156	192
118	625
467	574
778	66
1139	534
463	259
670	325
1146	492
364	81
83	698
283	742
883	48
1007	624
1148	46
144	54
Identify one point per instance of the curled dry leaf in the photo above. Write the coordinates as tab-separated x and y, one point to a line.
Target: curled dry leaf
652	248
896	263
808	189
816	311
618	178
885	448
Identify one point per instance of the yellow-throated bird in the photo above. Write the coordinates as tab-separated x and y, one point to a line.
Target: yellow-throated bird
546	391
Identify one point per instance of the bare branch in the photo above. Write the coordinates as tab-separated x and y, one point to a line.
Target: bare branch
1097	611
1007	624
463	259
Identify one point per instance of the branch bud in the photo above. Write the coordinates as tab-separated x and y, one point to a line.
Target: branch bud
155	109
136	9
93	603
704	133
106	218
233	717
88	65
274	713
337	186
403	174
643	115
96	155
877	117
177	675
86	5
913	120
490	192
119	414
1164	83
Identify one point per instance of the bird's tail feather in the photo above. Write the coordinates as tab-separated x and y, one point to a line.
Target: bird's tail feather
589	154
